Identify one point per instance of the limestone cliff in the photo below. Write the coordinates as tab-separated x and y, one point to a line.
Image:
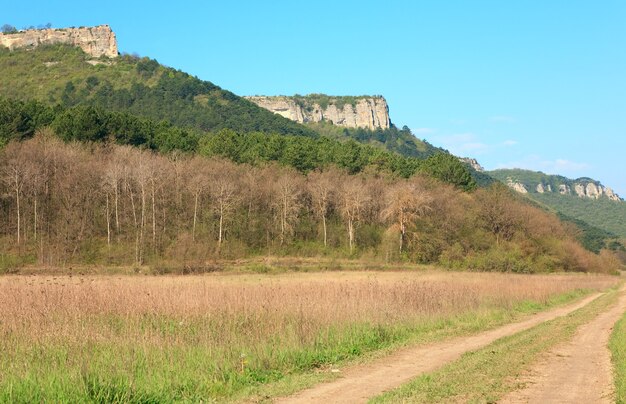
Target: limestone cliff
525	181
351	112
95	41
472	163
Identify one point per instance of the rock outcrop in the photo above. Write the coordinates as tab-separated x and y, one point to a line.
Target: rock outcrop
591	190
517	186
472	163
536	182
362	112
95	41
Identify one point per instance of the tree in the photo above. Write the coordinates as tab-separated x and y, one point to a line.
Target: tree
286	190
405	202
321	186
353	197
224	188
447	168
8	29
497	211
197	184
15	173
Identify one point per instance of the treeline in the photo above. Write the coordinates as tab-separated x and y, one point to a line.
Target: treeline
401	141
20	120
63	203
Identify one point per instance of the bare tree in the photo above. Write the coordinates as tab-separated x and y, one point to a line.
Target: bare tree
197	183
224	189
15	173
405	202
321	187
353	197
287	189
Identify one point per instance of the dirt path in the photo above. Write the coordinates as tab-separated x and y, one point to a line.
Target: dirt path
579	371
359	383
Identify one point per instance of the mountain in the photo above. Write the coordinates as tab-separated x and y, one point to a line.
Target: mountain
526	181
583	198
81	66
53	67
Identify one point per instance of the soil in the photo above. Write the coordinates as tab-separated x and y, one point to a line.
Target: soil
359	383
578	371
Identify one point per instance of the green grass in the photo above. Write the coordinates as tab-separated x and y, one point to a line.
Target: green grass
487	374
618	351
143	371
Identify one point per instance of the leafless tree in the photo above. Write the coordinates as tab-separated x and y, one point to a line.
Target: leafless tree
353	197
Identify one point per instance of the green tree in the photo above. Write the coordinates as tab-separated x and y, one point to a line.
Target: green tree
448	168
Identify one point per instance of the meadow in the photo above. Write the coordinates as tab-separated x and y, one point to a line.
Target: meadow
230	337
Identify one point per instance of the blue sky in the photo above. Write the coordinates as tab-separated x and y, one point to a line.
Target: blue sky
534	84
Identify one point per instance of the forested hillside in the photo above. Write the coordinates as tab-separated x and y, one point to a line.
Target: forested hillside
601	212
100	203
117	161
66	75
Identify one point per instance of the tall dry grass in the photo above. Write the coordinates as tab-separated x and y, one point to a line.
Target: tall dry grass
230	331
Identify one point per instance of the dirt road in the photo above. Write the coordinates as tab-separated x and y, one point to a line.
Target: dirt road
579	371
358	384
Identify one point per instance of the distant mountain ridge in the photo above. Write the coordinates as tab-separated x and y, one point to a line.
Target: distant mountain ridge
583	199
536	182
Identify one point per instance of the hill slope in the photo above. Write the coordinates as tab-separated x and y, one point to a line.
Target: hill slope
582	198
66	75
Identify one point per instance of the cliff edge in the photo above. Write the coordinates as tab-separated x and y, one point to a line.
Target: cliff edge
95	41
351	112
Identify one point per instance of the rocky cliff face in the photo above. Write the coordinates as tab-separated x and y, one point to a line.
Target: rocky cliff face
536	182
363	112
95	41
590	190
472	163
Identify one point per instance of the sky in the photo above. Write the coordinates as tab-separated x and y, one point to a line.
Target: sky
530	84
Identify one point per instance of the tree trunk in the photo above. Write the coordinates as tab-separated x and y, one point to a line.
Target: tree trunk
401	231
350	234
17	201
219	239
35	226
143	222
108	223
117	217
195	216
153	217
324	226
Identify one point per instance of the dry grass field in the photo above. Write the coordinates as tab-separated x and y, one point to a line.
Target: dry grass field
144	338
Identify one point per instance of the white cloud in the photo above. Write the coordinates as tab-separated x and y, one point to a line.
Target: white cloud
510	143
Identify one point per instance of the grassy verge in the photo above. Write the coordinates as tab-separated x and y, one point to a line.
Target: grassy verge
138	339
487	374
618	351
